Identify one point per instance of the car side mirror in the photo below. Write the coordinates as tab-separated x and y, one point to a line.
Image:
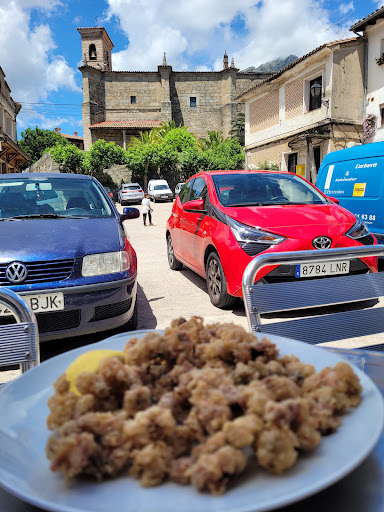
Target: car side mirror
333	199
195	205
129	213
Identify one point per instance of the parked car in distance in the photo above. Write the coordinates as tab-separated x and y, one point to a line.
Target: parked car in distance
130	193
67	256
178	187
223	219
159	190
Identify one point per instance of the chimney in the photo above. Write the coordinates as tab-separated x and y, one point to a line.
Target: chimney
56	129
76	134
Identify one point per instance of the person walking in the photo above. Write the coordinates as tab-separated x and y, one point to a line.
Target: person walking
146	210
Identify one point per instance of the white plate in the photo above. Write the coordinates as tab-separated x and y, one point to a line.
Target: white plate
24	469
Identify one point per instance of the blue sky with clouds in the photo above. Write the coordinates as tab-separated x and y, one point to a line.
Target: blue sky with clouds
40	49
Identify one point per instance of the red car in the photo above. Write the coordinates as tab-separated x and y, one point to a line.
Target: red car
222	219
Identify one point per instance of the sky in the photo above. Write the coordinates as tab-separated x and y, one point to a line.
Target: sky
40	48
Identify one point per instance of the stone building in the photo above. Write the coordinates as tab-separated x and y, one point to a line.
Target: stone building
119	104
11	155
312	107
74	139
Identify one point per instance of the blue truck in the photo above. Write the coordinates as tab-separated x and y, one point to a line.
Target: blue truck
355	177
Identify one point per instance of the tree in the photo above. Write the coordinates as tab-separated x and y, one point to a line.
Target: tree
215	138
69	157
226	155
180	139
35	142
192	161
165	127
102	155
148	158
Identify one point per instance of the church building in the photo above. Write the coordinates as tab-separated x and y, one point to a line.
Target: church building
119	104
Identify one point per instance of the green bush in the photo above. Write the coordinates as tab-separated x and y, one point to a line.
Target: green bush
69	157
102	155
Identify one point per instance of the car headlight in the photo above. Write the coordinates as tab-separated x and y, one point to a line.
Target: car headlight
246	234
105	263
358	230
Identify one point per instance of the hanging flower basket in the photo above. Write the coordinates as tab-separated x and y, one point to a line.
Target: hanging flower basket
380	60
369	126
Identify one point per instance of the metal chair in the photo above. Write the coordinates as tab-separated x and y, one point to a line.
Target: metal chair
19	342
306	294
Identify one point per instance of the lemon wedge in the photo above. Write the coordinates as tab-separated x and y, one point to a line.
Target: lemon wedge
87	362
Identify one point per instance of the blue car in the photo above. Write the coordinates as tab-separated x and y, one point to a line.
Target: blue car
64	249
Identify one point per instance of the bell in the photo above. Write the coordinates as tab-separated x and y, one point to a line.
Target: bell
92	53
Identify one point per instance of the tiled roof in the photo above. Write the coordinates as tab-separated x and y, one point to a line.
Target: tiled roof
74	137
294	63
368	20
126	124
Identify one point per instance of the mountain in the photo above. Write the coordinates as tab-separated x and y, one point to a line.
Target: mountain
272	66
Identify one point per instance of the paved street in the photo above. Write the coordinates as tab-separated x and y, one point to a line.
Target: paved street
164	294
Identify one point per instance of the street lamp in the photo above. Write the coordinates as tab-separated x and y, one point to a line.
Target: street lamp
315	92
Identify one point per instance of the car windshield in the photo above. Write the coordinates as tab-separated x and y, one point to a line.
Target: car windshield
160	187
51	197
264	189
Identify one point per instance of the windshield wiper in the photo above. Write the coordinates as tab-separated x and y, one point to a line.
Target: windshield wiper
45	216
243	204
275	203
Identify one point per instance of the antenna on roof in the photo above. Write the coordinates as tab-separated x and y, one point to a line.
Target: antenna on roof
338	23
96	20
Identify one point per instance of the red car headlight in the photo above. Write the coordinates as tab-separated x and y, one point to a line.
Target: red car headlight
247	234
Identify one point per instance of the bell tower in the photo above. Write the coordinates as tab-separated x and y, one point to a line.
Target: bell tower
96	48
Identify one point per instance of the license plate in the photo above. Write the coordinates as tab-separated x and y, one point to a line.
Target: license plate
322	269
39	303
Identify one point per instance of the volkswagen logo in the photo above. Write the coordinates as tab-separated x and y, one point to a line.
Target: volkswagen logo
16	272
322	242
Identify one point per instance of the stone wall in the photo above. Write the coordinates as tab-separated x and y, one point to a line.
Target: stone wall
45	164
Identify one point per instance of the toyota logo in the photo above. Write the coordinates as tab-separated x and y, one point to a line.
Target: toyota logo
16	272
322	242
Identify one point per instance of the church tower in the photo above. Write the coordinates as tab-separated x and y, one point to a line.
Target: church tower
96	48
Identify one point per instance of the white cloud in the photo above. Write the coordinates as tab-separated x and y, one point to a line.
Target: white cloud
27	54
346	8
251	31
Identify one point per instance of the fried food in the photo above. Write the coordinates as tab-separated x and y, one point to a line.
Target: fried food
194	406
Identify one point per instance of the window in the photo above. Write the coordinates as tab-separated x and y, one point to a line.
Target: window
193	102
199	189
382	116
315	93
133	100
184	192
92	52
292	162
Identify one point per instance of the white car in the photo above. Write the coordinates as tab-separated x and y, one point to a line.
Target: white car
178	187
130	193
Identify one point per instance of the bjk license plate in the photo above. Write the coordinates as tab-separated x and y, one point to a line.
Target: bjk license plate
39	303
315	269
